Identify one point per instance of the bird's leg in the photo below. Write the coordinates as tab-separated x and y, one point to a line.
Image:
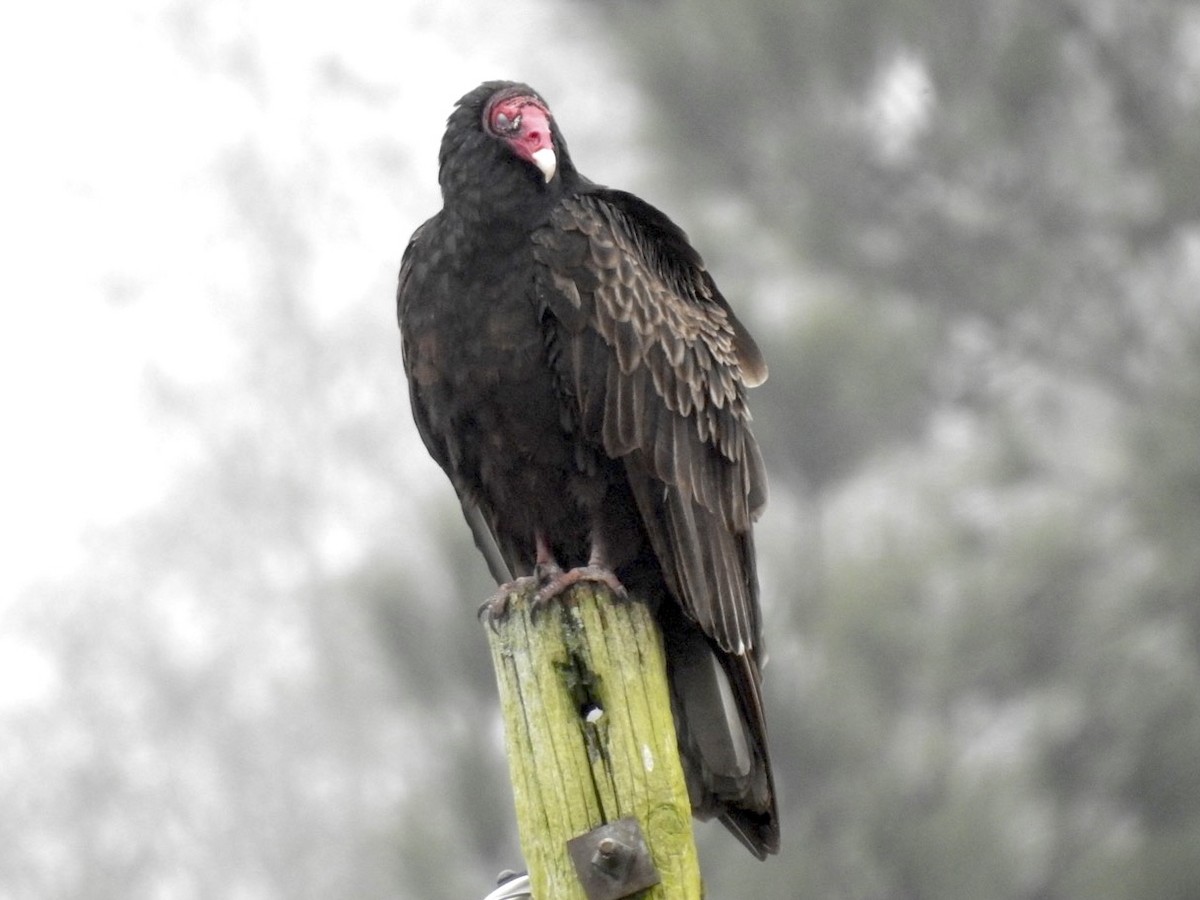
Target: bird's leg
545	571
596	570
546	567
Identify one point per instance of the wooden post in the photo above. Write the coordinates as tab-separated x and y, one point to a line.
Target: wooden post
590	737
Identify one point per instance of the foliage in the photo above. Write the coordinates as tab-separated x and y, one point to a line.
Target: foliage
990	409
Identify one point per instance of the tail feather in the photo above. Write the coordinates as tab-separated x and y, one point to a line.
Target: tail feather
722	737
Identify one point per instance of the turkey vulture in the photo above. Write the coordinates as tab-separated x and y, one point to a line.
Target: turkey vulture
576	373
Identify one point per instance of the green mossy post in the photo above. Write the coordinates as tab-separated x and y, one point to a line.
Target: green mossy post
582	652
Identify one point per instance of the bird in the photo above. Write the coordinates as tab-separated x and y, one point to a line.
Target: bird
575	371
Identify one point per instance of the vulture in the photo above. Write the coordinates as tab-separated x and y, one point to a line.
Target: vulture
574	370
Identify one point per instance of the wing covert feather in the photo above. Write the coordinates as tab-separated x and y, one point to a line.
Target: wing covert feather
657	367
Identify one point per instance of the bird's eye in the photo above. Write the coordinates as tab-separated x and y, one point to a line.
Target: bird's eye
504	123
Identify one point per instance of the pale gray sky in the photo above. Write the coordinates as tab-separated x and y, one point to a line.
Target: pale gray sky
125	256
121	256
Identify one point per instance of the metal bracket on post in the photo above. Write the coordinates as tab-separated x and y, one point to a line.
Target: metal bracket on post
613	861
511	887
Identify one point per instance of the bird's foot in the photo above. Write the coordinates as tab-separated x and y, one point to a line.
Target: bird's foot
550	581
553	582
496	607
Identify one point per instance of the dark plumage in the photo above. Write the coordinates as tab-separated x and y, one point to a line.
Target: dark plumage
577	374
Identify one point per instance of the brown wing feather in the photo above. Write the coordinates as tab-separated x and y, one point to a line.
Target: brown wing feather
437	448
494	551
658	367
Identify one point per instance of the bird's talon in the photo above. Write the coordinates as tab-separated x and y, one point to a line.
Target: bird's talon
499	605
548	590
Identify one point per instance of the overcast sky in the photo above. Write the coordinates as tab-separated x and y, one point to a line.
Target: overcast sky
123	256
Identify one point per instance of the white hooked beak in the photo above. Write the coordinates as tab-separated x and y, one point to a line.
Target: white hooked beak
546	162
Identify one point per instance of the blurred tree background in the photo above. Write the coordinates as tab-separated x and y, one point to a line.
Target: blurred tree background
967	235
983	222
